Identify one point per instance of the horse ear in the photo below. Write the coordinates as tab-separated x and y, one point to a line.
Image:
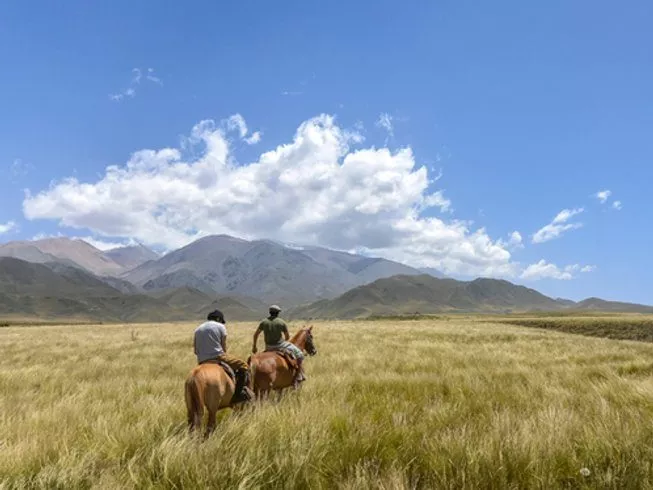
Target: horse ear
310	329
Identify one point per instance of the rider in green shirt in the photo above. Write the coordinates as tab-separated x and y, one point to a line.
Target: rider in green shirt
273	329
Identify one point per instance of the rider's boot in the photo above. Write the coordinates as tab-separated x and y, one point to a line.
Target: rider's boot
299	375
242	392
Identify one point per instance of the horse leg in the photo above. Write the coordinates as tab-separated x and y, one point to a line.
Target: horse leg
194	422
190	417
265	393
210	425
279	394
263	387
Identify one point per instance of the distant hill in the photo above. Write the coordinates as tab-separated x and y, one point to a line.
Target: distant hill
25	278
218	265
57	291
597	304
184	298
198	304
262	269
180	278
432	272
66	278
400	295
363	269
121	285
65	250
38	291
132	256
237	308
72	270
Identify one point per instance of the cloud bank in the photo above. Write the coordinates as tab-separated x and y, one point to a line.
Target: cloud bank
321	188
545	270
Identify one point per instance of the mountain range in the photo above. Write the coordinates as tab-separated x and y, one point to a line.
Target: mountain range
425	294
69	278
73	252
262	269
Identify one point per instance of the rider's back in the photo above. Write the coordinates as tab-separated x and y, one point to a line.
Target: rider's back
273	329
208	340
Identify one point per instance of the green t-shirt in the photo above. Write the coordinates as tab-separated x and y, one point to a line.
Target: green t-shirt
273	329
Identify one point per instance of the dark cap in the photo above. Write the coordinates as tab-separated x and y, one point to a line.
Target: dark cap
216	315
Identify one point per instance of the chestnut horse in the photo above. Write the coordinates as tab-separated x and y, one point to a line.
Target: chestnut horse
208	385
270	371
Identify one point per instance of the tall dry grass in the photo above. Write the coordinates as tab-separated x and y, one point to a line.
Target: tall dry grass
624	327
424	404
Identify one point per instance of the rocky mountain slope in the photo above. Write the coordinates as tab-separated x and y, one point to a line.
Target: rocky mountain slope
64	250
38	291
57	291
262	269
132	256
62	277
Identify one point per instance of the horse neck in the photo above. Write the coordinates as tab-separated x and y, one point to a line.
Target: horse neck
299	339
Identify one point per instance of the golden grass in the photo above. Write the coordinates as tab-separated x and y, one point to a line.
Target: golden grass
624	327
423	404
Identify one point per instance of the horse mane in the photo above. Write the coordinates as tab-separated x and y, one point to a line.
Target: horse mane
298	334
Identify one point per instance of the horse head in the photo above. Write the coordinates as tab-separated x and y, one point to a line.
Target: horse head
309	341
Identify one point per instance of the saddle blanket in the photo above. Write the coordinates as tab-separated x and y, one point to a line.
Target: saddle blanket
230	372
288	355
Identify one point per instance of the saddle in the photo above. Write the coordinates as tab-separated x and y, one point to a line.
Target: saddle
227	368
289	358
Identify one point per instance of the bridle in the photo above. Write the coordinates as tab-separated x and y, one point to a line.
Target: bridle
309	344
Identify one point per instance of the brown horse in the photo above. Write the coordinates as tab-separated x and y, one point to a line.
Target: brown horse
271	371
208	385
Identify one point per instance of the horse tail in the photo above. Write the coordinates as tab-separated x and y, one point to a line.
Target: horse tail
251	363
193	403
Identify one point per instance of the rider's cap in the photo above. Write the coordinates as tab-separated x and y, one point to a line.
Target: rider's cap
275	308
216	315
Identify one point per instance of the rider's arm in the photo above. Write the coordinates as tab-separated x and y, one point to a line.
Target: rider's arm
223	339
285	331
256	334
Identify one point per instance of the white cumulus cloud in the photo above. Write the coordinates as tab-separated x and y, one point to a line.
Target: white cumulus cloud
514	241
617	205
105	245
558	226
237	123
545	270
317	189
438	200
254	138
603	195
7	227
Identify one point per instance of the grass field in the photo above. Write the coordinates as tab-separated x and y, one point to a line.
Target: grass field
457	403
625	327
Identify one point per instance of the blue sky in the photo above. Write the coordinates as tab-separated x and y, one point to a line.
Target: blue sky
525	109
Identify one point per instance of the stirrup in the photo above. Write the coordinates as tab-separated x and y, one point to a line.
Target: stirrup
246	395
